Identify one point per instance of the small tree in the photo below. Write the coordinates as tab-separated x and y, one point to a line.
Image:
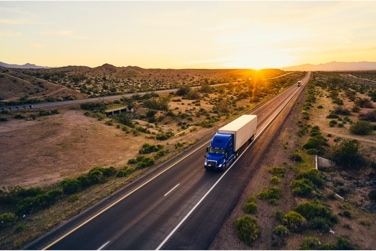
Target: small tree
247	229
361	128
346	154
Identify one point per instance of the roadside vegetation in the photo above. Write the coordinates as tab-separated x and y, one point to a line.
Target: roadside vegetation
325	199
159	119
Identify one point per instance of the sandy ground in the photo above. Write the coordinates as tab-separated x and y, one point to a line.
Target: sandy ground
360	228
43	151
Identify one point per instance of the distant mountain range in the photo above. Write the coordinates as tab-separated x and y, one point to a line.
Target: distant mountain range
332	66
24	66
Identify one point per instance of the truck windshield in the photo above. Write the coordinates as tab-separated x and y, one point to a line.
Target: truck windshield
217	150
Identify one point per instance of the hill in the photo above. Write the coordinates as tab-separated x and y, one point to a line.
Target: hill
77	82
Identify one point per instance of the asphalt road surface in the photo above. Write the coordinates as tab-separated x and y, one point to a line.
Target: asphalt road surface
180	205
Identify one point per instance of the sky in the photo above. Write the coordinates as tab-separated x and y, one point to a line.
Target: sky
187	34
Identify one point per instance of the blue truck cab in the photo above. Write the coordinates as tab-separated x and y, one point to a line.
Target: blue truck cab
226	142
220	152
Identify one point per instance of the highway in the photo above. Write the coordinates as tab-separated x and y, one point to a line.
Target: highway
177	206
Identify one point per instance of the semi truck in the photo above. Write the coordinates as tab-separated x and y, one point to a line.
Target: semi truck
225	144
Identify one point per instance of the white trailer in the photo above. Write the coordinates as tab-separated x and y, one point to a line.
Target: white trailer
243	128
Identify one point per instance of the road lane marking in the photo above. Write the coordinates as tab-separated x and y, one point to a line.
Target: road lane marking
151	179
101	247
122	198
172	189
221	177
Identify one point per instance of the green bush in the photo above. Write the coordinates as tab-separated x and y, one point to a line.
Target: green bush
281	230
296	156
294	221
275	180
346	154
145	162
247	229
332	123
71	186
314	176
310	243
319	216
278	171
7	219
361	128
317	143
302	187
164	136
280	233
250	208
271	193
147	148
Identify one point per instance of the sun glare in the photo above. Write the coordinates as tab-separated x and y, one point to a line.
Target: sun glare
259	60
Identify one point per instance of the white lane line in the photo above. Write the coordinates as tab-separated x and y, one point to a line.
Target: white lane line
101	247
220	178
172	189
122	198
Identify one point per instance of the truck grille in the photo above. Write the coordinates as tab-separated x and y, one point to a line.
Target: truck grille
212	163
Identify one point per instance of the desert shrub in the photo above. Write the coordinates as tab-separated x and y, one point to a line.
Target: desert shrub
271	194
275	180
342	243
372	195
361	128
342	111
313	175
294	221
278	171
145	162
332	116
346	154
316	143
296	156
281	230
342	190
346	214
250	208
164	136
302	187
364	103
320	223
85	180
332	123
7	219
71	186
319	216
369	116
355	108
93	106
247	229
147	148
132	161
183	90
310	243
280	233
95	176
160	154
124	119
